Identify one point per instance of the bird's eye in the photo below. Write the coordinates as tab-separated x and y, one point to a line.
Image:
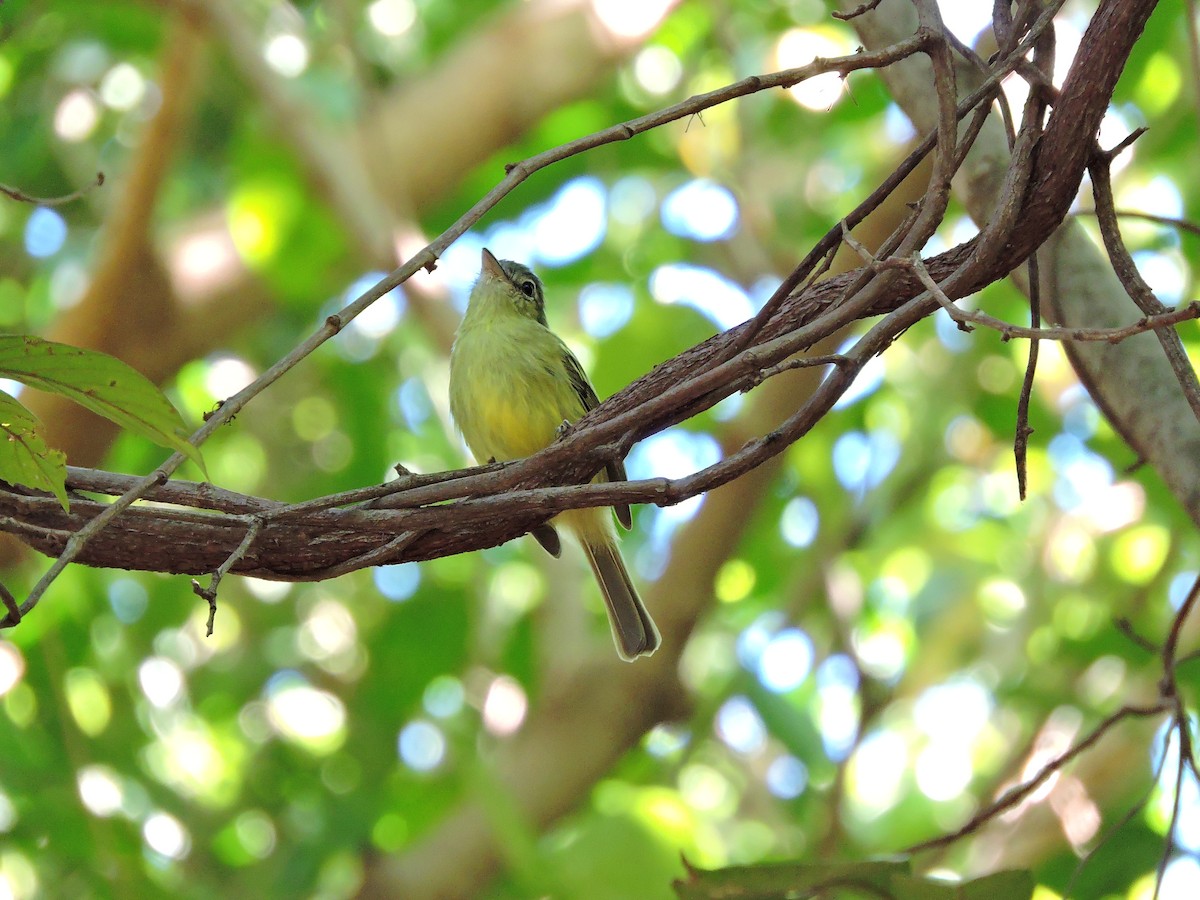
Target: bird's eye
527	288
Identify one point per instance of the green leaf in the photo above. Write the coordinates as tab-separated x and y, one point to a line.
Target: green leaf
24	456
1010	885
98	382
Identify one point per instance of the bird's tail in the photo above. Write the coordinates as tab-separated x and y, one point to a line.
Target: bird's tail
633	630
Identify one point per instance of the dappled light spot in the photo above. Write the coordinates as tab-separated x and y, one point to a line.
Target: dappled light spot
571	225
706	790
1181	585
862	461
740	726
397	582
122	87
422	746
101	790
259	213
1001	600
657	69
18	877
948	333
515	589
412	399
1167	273
604	308
312	718
801	46
799	522
45	232
701	210
1180	879
8	813
1138	554
786	661
956	711
188	757
966	18
226	375
265	591
837	705
1082	472
444	697
287	54
164	834
943	770
6	75
68	283
882	646
12	666
632	200
875	774
897	126
375	322
76	117
128	599
673	453
392	18
787	777
753	639
631	19
1069	554
1076	811
256	833
204	260
161	681
703	289
504	706
869	378
1103	679
314	417
666	740
329	637
510	240
735	580
89	700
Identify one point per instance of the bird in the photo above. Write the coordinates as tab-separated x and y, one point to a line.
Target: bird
513	385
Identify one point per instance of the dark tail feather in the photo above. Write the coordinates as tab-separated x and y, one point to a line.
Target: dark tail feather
633	629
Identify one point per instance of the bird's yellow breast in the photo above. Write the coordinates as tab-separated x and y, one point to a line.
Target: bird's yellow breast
509	389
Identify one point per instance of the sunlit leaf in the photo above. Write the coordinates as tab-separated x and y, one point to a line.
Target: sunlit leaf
99	382
24	457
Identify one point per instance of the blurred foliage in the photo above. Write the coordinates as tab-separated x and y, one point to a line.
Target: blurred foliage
895	639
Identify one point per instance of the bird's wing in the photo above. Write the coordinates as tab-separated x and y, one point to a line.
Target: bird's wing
615	470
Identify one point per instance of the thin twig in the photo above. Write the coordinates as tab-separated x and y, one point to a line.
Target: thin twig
802	362
210	593
379	556
967	319
1023	429
1016	794
1181	224
1126	628
10	603
22	197
857	11
1127	272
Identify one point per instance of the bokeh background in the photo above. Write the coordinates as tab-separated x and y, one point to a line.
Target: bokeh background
888	636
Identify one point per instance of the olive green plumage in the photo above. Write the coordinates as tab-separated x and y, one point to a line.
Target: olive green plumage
513	383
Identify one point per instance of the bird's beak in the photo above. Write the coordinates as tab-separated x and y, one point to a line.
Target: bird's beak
491	266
